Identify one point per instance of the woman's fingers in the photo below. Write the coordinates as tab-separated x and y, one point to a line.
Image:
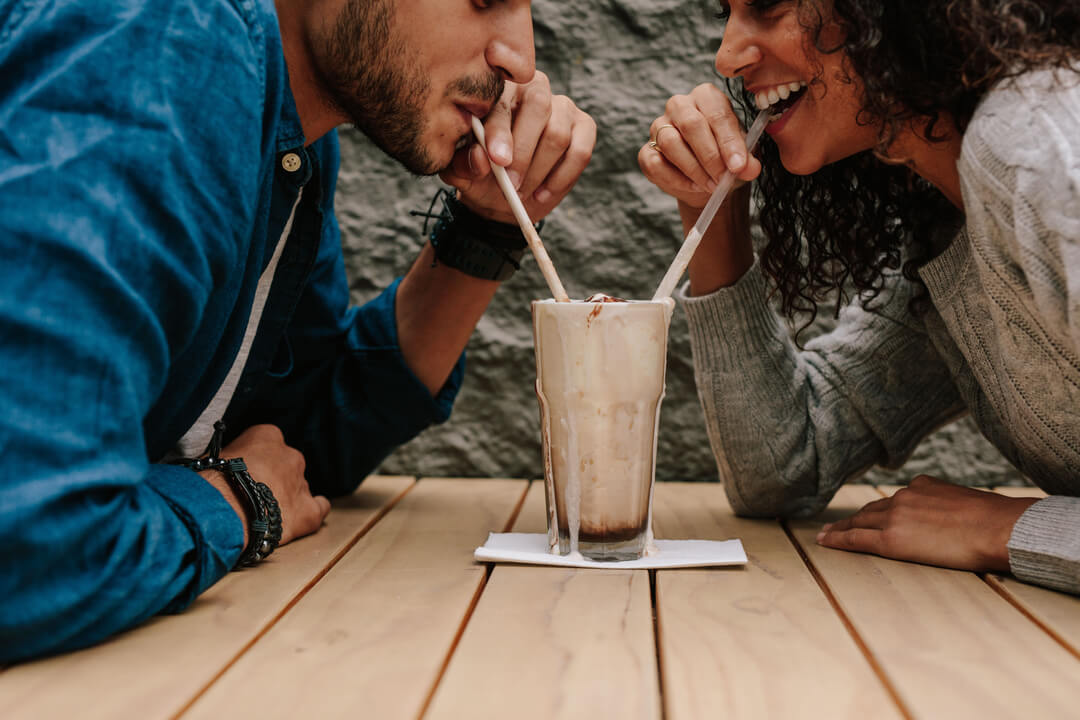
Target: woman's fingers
867	540
669	178
668	141
873	520
727	132
694	144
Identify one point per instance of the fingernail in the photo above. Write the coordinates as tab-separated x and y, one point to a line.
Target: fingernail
711	185
737	161
698	188
515	178
820	537
826	527
542	195
500	151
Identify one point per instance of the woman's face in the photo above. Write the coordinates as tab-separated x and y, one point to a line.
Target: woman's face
765	43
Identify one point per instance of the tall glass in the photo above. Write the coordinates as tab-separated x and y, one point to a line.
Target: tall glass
599	381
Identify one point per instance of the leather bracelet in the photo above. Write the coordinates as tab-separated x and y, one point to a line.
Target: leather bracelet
263	511
474	245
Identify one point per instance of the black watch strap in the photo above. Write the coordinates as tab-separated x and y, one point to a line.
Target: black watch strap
473	244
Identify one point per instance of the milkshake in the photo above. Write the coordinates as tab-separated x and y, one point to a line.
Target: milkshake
599	380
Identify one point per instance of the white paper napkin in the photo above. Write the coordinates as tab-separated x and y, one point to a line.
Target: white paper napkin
532	549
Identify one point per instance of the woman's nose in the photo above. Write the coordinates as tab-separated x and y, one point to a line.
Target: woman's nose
738	51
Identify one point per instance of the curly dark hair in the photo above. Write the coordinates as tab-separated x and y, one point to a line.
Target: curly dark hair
914	60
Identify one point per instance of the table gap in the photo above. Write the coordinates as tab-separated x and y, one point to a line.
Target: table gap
1001	590
490	567
1009	596
656	644
863	647
383	511
514	516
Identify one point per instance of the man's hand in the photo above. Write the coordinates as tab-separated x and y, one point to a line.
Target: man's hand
271	461
544	141
935	523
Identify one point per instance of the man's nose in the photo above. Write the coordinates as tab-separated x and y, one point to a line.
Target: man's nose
512	51
738	51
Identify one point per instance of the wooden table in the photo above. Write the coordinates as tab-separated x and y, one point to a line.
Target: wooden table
383	614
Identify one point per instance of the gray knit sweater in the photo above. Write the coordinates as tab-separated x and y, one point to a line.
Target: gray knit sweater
1002	342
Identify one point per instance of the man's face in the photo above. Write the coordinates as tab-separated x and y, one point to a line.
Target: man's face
409	73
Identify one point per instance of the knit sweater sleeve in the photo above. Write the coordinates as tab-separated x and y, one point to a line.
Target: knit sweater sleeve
787	426
1021	159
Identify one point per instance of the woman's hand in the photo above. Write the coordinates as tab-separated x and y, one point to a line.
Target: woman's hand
935	523
697	140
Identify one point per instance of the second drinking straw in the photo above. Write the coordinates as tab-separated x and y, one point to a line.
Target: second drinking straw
533	238
693	238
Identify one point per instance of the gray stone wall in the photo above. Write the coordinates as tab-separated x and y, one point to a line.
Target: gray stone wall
619	60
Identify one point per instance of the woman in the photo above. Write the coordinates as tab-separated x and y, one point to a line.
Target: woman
926	154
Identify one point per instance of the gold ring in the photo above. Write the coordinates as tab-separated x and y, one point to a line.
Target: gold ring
656	138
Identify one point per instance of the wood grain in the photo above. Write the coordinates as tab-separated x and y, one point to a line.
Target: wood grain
1057	612
551	643
950	645
370	640
155	670
761	641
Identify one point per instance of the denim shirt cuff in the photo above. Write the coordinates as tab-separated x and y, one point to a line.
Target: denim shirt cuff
215	528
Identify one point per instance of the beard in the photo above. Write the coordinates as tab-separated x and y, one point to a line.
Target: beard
375	79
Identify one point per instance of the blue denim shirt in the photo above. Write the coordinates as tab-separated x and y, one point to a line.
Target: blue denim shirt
141	194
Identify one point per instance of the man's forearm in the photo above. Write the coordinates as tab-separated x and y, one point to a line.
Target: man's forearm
436	310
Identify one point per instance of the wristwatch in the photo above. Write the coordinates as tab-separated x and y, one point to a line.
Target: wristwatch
473	244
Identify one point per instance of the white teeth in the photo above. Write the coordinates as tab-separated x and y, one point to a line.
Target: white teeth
765	98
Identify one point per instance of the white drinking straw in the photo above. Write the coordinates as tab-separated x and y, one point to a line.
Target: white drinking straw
693	238
523	220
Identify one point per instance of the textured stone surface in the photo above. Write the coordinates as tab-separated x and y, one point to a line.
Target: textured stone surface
619	60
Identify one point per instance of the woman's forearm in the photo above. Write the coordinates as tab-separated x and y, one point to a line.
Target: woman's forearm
725	253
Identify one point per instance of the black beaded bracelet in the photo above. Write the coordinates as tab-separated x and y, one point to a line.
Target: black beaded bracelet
473	244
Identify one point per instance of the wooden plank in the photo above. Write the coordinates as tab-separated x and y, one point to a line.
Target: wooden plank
155	670
761	641
1022	492
371	639
949	644
1056	612
554	643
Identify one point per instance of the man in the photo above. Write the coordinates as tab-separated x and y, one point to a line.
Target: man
171	260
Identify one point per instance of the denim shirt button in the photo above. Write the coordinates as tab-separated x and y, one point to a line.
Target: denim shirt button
291	162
